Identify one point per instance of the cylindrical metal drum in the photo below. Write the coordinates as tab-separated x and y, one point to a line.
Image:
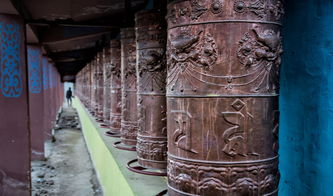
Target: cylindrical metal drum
222	96
129	119
100	86
151	69
94	108
107	86
115	64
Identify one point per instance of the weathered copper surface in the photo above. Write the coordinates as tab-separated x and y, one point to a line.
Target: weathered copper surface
129	119
107	83
151	69
222	89
115	95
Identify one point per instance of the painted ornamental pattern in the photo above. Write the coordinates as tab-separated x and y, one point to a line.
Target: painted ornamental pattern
35	69
223	59
11	64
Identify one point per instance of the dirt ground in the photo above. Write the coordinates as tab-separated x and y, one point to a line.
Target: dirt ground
67	170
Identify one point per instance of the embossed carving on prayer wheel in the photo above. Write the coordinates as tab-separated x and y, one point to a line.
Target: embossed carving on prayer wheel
151	68
222	97
107	86
94	74
100	86
129	119
115	67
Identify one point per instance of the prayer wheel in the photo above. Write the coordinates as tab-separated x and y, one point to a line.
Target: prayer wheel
129	119
94	74
223	61
100	86
107	86
115	94
151	69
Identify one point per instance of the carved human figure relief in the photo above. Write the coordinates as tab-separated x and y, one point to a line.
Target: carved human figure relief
182	135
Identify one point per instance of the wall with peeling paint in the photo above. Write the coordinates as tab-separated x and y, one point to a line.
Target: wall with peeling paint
306	129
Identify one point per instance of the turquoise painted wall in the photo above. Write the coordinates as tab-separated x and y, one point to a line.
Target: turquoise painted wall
306	131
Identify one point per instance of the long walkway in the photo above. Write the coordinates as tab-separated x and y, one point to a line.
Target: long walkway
68	170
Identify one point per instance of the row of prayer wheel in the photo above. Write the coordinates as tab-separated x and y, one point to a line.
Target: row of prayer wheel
196	91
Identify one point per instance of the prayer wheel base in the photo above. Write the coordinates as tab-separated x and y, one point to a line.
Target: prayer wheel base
119	145
143	170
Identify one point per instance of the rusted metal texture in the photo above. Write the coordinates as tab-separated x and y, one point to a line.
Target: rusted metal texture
129	119
151	69
35	74
222	97
107	86
115	63
14	131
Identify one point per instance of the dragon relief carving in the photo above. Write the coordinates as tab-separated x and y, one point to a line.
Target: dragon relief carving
190	50
152	61
131	61
152	69
263	50
115	69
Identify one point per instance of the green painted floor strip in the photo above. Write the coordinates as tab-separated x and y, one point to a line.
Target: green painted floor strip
110	163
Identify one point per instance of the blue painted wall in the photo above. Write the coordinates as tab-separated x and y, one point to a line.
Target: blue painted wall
306	131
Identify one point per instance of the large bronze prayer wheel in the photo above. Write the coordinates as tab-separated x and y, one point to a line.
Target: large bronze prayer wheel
115	68
222	97
129	118
107	86
100	86
151	69
94	75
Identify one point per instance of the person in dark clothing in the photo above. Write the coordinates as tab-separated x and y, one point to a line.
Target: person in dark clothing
69	97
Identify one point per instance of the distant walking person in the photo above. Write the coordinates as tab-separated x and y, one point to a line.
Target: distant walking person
69	97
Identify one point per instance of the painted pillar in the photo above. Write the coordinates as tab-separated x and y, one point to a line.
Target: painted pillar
222	97
115	117
306	131
14	115
36	102
151	69
129	118
46	115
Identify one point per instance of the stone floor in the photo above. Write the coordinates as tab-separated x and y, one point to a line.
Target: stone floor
67	170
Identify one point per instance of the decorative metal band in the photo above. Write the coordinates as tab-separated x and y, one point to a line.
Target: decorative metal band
224	162
226	21
150	160
222	96
154	137
189	194
147	48
151	94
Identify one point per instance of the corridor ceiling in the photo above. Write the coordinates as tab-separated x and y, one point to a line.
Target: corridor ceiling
71	32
